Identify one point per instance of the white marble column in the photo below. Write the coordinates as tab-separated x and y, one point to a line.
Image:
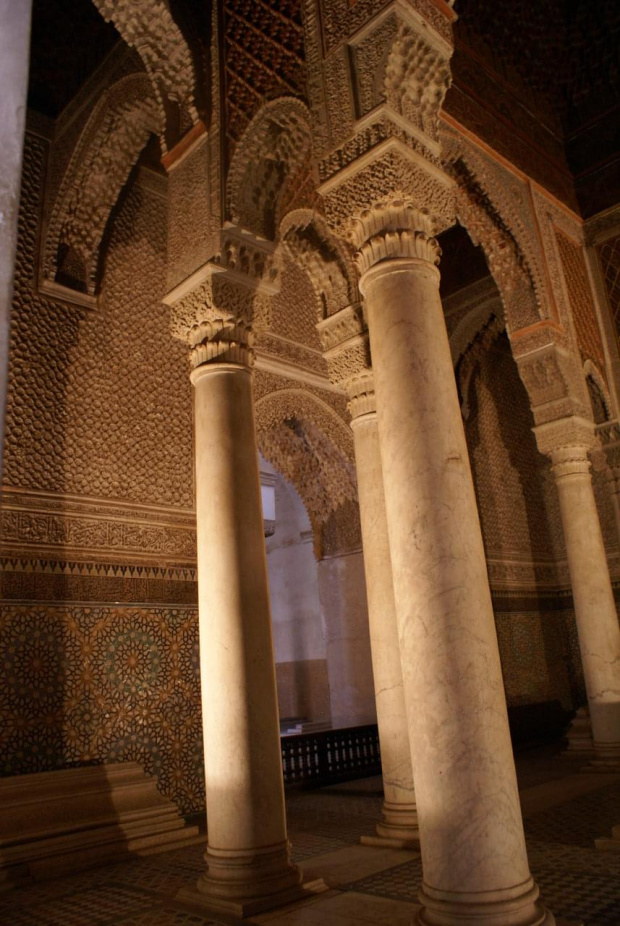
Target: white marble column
248	859
595	609
475	866
398	826
14	48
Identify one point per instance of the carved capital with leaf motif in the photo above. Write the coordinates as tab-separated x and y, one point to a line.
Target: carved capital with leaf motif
394	229
214	310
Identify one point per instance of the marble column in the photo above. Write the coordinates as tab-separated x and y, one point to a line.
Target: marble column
595	609
475	866
14	50
248	860
398	826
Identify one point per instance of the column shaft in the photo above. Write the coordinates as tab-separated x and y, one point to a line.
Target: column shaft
248	852
595	609
473	847
399	822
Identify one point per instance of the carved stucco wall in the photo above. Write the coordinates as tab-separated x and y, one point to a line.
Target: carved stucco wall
521	527
581	301
517	499
609	258
98	625
98	631
99	400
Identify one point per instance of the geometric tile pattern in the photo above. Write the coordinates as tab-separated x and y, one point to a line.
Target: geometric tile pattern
103	684
576	881
580	822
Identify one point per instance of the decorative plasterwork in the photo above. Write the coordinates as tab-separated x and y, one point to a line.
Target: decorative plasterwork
486	334
270	152
392	229
392	173
283	404
148	27
215	309
599	393
307	442
103	157
346	349
475	321
495	207
417	76
327	260
36	523
290	370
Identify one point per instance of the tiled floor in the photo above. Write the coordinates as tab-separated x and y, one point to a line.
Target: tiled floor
577	882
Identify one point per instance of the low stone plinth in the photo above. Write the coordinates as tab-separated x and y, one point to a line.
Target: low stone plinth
54	823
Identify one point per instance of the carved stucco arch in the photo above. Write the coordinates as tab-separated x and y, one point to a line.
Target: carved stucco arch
484	208
305	237
312	447
471	324
486	328
594	376
105	153
271	150
148	26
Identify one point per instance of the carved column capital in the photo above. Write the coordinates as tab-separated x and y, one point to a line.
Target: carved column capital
566	438
570	461
395	229
214	310
361	392
212	315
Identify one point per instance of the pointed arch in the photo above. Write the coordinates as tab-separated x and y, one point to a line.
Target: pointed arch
104	155
270	152
306	238
485	210
312	447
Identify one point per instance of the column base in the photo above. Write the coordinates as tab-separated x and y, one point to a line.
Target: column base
201	902
579	736
398	828
517	906
243	882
